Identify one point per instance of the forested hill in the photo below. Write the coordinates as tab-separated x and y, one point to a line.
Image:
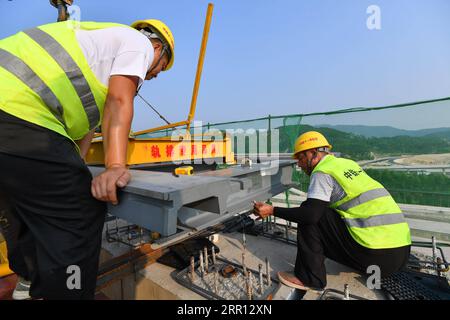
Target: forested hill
388	131
358	147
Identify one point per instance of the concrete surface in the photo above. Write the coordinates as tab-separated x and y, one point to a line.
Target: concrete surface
156	282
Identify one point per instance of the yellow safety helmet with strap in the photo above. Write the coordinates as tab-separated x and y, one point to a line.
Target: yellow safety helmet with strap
310	140
164	33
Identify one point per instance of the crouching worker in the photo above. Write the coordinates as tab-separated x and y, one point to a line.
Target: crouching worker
348	217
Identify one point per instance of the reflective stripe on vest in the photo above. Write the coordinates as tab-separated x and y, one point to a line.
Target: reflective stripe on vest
73	72
363	198
23	72
376	221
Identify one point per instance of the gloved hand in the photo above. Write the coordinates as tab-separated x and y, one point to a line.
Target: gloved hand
104	186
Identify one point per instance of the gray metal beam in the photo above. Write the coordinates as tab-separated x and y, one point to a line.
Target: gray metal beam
161	202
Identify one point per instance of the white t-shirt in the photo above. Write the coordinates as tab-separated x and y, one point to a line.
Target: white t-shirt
324	187
116	51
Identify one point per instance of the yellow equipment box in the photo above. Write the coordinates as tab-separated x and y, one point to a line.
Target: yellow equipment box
166	150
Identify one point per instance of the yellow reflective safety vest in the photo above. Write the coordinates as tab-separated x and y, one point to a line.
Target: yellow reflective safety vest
46	80
371	215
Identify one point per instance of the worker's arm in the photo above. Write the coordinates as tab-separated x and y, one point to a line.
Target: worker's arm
85	143
116	126
309	212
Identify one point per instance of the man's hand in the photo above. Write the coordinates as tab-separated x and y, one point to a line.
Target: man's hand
262	209
104	185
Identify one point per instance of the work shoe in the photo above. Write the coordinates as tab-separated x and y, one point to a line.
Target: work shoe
290	280
22	290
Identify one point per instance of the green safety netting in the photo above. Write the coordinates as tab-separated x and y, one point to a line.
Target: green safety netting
404	146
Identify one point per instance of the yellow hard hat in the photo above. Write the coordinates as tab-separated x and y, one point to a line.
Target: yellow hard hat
310	140
162	30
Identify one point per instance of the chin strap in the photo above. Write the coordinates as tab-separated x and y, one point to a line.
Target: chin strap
165	48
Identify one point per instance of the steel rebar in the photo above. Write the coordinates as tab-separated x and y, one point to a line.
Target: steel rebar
216	279
261	282
434	252
249	286
129	237
192	268
269	280
346	292
433	243
244	268
213	253
287	231
202	267
205	250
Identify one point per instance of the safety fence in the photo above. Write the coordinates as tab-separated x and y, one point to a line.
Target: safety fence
404	146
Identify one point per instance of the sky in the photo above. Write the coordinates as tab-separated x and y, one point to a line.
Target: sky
285	57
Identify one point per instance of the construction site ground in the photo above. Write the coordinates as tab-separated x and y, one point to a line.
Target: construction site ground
156	281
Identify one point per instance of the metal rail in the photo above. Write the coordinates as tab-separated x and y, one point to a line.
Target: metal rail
201	60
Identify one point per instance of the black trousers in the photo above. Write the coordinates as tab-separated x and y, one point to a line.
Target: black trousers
329	238
54	224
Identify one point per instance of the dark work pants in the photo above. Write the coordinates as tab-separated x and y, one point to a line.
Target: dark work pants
53	221
330	238
10	227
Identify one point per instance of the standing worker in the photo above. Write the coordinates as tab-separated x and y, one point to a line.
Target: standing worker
58	83
348	217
